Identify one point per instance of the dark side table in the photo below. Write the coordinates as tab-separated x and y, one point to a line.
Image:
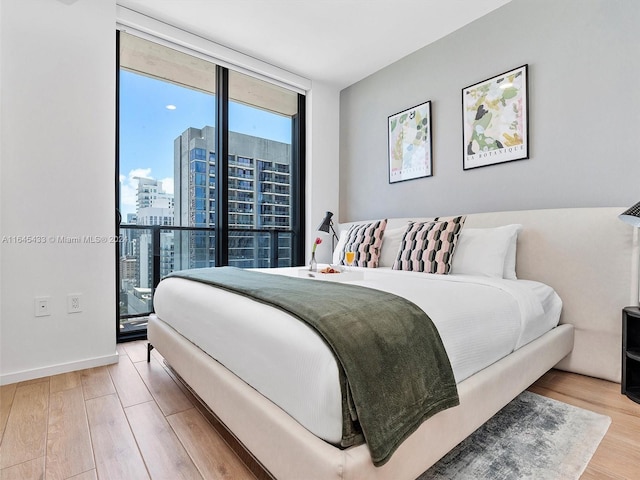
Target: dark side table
631	353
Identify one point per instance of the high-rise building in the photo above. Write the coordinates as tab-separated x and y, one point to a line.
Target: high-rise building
150	192
161	213
159	210
259	196
154	206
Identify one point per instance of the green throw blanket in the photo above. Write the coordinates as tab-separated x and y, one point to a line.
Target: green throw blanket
394	373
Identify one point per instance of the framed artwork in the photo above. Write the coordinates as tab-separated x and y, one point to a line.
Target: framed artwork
495	120
410	143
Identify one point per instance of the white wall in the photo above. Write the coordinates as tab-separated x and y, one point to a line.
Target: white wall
584	107
57	162
323	124
57	132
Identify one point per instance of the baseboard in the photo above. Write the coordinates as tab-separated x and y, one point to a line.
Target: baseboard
57	369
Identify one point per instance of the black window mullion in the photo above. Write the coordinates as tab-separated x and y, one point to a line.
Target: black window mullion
117	184
222	166
298	183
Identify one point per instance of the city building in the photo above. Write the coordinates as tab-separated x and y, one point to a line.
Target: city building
158	209
151	193
259	197
154	206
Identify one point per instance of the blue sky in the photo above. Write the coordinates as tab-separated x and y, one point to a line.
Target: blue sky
148	128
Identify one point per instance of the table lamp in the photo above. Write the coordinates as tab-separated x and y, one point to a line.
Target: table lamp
632	215
326	225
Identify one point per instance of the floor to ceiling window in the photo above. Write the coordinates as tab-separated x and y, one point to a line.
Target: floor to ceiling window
210	171
261	171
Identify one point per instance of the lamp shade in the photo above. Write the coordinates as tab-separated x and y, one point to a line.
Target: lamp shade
326	223
632	215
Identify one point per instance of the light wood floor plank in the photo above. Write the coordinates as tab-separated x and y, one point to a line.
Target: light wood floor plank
33	413
163	453
31	470
594	391
137	351
96	382
116	452
7	392
35	380
26	433
594	473
613	454
90	475
66	381
165	391
214	459
69	450
129	385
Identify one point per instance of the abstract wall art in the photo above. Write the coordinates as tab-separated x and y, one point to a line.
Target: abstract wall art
495	120
410	144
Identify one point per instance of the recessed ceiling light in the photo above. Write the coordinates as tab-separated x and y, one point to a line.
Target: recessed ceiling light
170	107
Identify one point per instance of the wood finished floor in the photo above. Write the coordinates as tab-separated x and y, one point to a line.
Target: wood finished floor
128	421
132	421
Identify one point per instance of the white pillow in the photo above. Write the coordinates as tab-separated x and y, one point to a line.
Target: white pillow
390	245
488	252
510	260
339	247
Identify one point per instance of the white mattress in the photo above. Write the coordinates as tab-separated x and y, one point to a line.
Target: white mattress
479	319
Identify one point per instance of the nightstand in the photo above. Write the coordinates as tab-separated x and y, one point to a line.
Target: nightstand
631	353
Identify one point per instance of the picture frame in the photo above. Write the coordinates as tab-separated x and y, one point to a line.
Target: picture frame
409	143
495	120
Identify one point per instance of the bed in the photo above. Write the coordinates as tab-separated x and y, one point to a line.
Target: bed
587	256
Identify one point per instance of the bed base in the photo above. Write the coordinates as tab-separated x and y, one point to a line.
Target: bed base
245	456
586	254
287	450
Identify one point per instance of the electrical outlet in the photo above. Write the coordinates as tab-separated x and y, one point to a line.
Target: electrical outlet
42	306
73	303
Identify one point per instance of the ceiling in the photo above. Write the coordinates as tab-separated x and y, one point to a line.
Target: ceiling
338	42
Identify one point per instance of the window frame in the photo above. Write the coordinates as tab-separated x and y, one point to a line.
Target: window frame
221	230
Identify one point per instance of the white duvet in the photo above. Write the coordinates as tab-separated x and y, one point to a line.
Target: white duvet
480	320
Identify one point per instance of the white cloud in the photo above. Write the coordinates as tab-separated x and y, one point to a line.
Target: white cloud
167	185
140	172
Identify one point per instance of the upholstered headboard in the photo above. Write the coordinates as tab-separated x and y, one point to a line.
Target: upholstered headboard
591	259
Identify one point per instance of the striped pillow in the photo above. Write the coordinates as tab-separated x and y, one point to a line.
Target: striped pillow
365	240
428	246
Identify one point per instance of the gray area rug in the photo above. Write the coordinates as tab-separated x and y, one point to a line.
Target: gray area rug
533	437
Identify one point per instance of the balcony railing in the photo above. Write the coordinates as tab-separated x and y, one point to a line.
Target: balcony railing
149	253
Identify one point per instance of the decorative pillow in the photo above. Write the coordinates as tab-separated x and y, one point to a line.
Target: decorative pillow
363	239
483	251
429	246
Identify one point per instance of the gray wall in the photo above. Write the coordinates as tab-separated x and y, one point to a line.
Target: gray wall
584	114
